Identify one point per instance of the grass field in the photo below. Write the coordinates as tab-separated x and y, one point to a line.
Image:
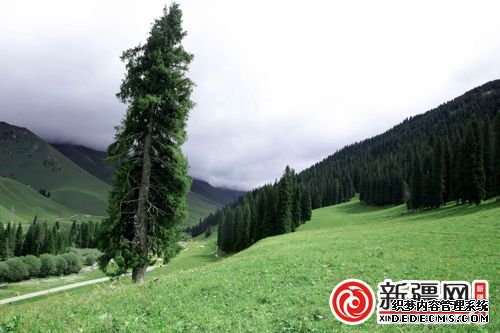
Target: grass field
21	203
26	159
33	285
199	207
282	284
31	161
196	253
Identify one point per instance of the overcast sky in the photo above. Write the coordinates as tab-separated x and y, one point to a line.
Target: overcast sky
278	82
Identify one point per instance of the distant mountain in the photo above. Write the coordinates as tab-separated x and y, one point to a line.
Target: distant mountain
202	200
28	159
233	194
77	178
88	159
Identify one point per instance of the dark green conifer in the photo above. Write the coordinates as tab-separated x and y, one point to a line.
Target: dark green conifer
18	249
417	184
473	163
496	135
437	185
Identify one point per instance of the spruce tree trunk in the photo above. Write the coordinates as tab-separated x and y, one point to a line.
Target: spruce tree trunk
140	221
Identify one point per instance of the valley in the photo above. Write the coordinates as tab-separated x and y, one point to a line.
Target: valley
291	275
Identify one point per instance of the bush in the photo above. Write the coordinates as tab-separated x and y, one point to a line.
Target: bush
90	259
208	232
48	265
61	265
18	270
34	264
4	272
74	262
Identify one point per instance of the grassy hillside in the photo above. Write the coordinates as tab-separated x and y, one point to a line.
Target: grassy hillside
31	161
202	199
210	193
199	207
21	203
88	159
282	284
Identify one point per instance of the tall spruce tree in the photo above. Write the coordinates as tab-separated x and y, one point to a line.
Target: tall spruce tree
270	212
417	184
459	172
489	163
448	172
296	207
4	243
9	239
18	248
284	217
306	206
148	199
473	163
496	135
437	185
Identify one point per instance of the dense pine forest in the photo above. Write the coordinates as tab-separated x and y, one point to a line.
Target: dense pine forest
451	153
40	238
46	251
270	210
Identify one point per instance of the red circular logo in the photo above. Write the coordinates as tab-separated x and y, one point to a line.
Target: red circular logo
352	301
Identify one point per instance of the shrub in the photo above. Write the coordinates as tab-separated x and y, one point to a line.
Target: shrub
18	270
48	265
4	272
61	265
34	264
74	262
90	259
208	232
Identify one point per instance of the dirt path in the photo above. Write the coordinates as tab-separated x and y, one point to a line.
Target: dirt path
58	289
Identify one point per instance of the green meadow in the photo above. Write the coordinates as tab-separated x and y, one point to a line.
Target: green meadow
21	203
282	283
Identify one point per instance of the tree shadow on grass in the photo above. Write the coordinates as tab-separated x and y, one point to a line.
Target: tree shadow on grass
358	207
451	210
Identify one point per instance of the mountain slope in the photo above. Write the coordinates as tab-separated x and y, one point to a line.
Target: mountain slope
372	165
20	203
283	283
30	160
88	159
233	194
444	147
202	199
210	193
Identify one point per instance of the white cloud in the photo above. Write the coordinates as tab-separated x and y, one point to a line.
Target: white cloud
278	82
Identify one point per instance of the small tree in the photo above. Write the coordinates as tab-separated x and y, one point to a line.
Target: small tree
74	262
18	250
61	265
208	232
4	271
4	245
48	265
34	264
18	270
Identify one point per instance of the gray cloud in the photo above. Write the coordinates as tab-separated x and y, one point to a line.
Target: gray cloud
278	82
